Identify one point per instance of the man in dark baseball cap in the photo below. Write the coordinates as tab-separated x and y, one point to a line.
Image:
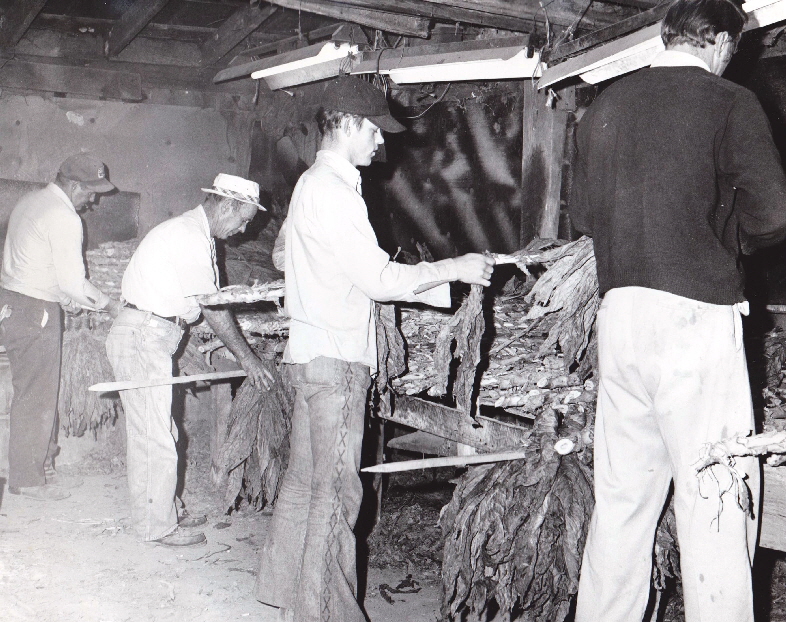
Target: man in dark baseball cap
43	270
335	271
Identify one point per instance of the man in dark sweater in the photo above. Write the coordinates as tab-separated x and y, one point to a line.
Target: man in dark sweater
676	175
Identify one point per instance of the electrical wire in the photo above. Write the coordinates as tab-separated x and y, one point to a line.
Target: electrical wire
439	99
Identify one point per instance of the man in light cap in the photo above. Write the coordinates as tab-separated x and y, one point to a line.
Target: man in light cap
175	262
334	272
43	269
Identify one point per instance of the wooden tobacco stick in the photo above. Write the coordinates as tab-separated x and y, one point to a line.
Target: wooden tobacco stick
430	463
515	337
123	385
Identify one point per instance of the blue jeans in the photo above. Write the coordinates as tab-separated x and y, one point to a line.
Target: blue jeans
140	345
308	561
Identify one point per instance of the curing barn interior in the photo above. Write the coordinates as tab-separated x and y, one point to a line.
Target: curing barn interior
477	467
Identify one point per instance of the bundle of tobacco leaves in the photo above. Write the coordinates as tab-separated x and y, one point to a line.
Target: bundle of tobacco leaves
465	330
515	531
569	289
84	363
391	353
254	456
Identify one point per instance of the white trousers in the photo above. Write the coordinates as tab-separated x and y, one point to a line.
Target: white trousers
673	376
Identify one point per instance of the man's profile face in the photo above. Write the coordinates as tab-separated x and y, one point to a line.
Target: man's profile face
82	197
363	142
234	219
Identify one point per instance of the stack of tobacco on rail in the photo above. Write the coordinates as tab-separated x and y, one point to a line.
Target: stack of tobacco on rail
84	359
515	531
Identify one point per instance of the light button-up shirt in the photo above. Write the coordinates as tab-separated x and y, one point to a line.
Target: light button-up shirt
335	269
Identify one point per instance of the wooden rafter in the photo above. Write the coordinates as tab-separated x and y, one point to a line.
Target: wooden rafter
559	12
614	31
240	24
446	13
15	18
131	24
398	23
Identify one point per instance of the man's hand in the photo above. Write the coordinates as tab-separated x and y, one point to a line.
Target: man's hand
70	307
113	307
258	375
475	269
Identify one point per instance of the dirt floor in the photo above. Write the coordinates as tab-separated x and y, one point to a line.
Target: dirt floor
76	560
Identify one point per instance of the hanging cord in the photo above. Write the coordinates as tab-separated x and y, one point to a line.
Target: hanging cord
439	99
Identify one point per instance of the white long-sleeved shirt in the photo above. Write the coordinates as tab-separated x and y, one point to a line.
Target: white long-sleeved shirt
175	261
42	257
334	268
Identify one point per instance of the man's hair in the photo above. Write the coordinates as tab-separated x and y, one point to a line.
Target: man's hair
328	121
214	200
698	22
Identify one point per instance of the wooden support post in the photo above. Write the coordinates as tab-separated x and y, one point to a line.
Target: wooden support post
15	19
240	24
542	160
131	24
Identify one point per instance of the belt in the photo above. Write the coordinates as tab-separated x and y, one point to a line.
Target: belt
175	319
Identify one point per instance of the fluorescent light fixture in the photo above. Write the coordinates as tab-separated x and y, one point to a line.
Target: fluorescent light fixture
639	48
489	59
309	64
517	67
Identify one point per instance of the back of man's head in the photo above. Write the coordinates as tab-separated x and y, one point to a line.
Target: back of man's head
698	22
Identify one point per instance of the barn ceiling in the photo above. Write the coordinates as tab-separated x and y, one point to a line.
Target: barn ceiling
169	51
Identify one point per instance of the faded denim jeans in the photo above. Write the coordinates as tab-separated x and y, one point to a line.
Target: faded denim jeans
307	564
140	345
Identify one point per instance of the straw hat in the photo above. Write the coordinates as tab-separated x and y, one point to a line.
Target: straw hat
237	188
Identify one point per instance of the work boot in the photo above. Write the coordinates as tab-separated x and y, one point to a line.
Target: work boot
187	521
53	477
47	492
180	538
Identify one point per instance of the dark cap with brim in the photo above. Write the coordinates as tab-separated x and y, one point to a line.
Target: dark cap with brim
356	96
88	171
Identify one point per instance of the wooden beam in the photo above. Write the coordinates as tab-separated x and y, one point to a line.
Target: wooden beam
455	425
15	19
60	78
446	13
560	12
603	35
382	20
131	24
323	32
542	160
240	24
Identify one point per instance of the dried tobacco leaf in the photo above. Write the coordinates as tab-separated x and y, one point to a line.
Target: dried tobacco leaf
256	452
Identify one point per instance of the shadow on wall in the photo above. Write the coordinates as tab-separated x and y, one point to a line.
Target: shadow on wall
451	183
113	219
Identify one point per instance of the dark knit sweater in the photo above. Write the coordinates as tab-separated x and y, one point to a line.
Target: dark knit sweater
659	155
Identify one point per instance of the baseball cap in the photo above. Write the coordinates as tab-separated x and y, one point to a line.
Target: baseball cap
236	188
87	170
356	96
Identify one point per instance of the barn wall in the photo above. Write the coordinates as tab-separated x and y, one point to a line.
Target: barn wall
165	154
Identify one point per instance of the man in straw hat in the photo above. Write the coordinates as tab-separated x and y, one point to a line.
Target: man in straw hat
334	271
43	270
174	262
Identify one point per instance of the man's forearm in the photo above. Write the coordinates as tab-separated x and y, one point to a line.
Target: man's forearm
223	324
